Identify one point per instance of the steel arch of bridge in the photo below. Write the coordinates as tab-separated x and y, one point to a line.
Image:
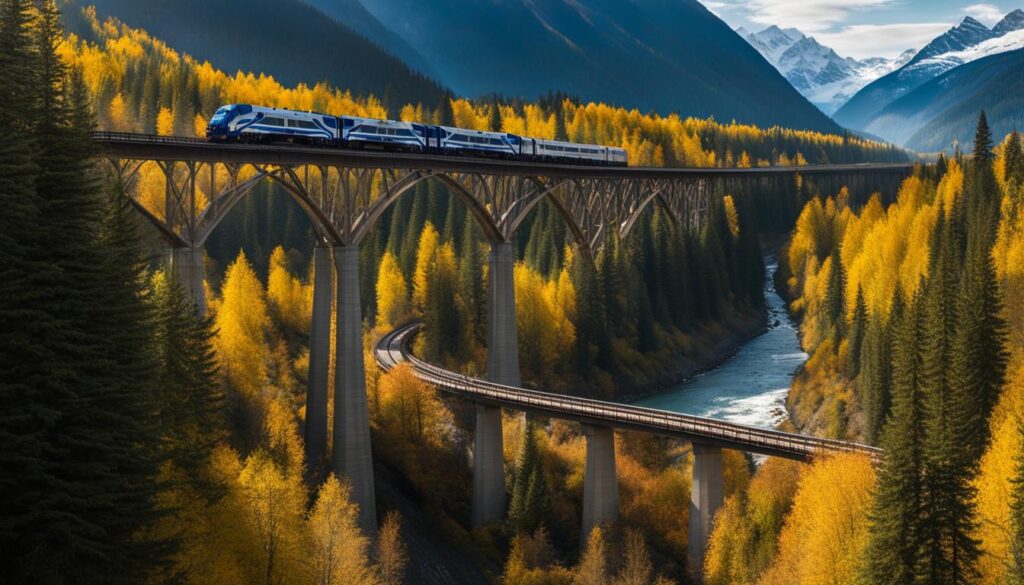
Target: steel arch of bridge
344	194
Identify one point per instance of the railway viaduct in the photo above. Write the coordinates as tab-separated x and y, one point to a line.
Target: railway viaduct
344	193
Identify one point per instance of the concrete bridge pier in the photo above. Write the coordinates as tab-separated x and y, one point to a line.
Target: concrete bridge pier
600	482
488	467
352	454
706	496
502	368
502	340
188	265
319	358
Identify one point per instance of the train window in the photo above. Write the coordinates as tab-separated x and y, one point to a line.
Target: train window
272	121
306	124
405	132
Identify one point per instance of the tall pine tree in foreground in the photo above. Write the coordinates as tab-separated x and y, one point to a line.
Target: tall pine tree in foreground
86	435
895	531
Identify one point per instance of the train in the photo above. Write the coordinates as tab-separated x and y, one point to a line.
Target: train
244	123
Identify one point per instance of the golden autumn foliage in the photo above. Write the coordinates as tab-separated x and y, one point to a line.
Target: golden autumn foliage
290	298
649	139
392	293
339	552
242	319
543	309
825	535
410	408
744	541
426	258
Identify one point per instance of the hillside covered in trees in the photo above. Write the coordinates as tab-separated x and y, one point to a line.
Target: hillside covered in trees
911	314
141	84
144	444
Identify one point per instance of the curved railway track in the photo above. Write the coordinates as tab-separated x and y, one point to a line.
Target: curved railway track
394	348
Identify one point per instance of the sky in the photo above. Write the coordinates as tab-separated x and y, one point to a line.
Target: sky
861	28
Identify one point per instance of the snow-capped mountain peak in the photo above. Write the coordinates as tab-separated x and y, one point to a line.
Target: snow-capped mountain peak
773	41
1011	22
816	71
968	33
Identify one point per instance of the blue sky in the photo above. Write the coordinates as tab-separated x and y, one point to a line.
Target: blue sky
861	28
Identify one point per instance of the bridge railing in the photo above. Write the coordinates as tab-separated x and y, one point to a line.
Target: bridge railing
134	138
614	413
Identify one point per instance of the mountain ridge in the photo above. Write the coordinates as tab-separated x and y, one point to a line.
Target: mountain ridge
816	71
667	56
964	43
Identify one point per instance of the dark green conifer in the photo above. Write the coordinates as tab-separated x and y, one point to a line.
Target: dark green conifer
858	330
1014	158
530	502
895	532
495	120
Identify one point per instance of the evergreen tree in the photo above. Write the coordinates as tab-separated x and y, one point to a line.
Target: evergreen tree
835	302
983	140
981	190
858	330
29	372
895	530
495	119
530	503
948	551
192	405
471	280
1014	158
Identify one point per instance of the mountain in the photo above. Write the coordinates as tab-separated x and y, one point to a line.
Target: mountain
816	71
945	109
289	39
966	42
1011	22
666	55
354	15
773	41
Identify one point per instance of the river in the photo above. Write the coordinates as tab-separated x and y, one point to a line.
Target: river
750	387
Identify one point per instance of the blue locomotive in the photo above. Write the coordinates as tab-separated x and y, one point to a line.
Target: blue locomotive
256	124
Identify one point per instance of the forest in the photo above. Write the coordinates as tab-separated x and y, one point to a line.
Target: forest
911	311
144	444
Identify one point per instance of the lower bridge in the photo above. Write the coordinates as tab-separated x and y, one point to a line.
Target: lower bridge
599	420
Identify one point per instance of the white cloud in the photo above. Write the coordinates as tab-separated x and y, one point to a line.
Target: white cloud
808	15
715	6
881	40
986	13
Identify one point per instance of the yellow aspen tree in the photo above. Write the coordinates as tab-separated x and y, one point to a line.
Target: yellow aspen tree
391	553
274	508
118	114
825	536
731	215
242	321
392	293
289	297
199	125
593	567
426	255
339	552
165	122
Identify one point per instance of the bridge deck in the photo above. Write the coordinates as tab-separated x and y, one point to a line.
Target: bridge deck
393	349
172	148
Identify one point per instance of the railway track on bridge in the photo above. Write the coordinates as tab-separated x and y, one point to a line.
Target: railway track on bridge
174	148
394	348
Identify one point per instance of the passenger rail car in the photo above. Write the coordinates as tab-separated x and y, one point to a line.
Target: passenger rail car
255	124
